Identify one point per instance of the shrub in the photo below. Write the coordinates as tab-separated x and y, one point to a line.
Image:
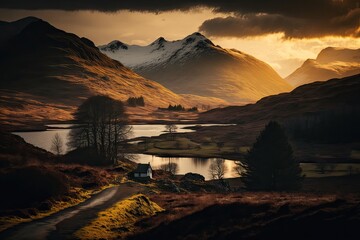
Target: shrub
26	186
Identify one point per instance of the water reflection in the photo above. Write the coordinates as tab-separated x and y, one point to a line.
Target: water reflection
42	139
185	165
201	162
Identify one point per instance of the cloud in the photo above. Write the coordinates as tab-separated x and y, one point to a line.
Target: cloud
295	18
294	8
248	25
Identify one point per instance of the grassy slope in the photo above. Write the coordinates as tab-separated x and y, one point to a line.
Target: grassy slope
119	220
59	70
81	181
335	95
216	72
252	216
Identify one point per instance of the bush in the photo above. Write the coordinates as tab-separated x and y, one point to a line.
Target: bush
85	156
26	186
136	101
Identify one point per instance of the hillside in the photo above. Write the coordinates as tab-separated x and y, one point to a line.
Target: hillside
331	95
330	63
194	65
46	73
320	118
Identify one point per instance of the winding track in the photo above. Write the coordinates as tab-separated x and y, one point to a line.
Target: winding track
64	224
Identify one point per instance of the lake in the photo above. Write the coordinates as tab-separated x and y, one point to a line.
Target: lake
201	166
43	140
185	165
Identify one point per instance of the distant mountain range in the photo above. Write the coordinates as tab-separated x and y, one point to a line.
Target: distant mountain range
194	65
46	73
330	63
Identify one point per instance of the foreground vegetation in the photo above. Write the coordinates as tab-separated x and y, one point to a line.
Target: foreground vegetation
249	215
37	183
119	220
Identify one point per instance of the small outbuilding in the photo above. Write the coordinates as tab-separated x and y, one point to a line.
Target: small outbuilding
143	171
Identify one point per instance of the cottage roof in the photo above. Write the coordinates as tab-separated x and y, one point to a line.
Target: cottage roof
142	168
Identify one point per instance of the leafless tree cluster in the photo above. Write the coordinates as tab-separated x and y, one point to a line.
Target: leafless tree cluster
217	169
170	167
103	127
57	145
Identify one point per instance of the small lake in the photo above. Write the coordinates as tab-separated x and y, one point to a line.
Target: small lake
185	165
201	166
43	139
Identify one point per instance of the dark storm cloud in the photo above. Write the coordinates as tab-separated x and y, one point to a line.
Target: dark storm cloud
295	8
297	18
261	24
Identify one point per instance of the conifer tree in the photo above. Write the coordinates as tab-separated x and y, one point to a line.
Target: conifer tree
269	164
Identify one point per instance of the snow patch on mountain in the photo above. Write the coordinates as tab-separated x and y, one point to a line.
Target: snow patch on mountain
158	52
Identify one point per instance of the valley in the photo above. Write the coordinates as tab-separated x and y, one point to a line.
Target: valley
174	139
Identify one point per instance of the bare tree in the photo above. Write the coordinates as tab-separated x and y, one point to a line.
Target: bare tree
170	167
103	127
239	169
171	128
217	169
57	144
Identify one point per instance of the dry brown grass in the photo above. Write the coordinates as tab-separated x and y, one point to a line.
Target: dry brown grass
180	205
231	216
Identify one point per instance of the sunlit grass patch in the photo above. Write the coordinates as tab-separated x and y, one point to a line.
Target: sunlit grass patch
116	221
77	196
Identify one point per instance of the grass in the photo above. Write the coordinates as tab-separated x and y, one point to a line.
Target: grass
181	206
314	170
260	215
76	196
117	221
185	147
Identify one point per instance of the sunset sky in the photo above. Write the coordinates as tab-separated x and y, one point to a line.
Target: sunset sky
279	33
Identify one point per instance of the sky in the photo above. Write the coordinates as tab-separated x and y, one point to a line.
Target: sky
281	33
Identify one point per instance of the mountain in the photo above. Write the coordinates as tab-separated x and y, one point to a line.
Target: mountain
10	29
321	120
315	98
330	63
46	73
194	65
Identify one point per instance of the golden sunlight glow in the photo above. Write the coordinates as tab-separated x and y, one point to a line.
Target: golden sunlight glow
284	55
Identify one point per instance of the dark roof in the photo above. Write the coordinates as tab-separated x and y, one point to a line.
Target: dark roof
142	168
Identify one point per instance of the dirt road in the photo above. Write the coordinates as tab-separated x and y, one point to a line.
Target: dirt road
63	224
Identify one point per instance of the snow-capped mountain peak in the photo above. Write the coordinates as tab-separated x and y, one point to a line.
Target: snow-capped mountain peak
159	41
158	52
114	46
194	65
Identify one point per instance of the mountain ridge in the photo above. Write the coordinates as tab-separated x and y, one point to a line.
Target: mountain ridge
195	65
46	73
321	96
331	62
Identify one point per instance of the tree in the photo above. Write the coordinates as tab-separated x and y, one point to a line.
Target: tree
171	129
217	169
269	164
136	101
103	126
170	167
57	144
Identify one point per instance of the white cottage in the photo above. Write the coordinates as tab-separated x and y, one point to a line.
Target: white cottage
143	171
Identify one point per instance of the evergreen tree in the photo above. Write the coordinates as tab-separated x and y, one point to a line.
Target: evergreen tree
269	164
